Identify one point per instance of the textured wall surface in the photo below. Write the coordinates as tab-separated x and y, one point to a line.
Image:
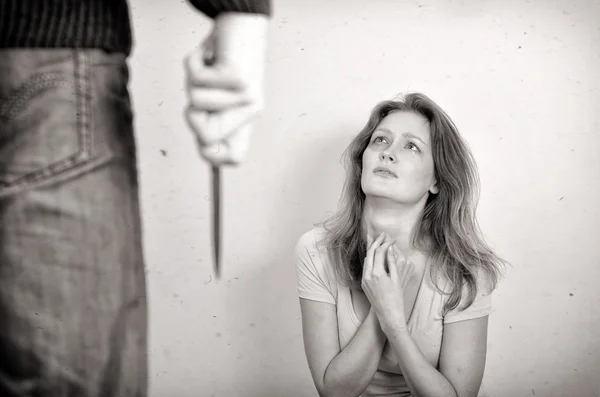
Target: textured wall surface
521	80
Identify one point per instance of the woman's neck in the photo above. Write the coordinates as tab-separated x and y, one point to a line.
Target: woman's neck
395	219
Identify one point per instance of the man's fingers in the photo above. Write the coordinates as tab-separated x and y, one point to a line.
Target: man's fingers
239	144
216	127
231	151
209	48
214	76
197	121
215	99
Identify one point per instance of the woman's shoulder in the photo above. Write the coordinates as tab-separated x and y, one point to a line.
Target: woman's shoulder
313	239
316	276
311	246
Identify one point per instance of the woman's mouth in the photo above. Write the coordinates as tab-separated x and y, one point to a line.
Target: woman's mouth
385	172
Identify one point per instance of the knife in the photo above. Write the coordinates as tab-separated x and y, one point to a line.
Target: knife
208	58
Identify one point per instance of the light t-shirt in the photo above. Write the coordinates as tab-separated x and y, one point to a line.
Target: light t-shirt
317	281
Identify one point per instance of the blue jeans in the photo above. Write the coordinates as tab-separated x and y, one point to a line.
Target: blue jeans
73	310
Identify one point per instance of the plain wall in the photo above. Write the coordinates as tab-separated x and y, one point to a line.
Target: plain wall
521	81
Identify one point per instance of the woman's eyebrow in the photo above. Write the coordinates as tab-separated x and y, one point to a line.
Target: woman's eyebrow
406	134
382	129
411	135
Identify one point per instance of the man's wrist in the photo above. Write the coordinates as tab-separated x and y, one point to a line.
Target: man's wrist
240	35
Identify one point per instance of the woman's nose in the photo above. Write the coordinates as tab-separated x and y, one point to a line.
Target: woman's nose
387	156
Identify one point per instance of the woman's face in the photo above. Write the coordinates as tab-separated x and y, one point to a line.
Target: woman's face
397	163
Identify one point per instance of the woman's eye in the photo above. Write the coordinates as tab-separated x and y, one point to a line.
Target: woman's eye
379	139
412	146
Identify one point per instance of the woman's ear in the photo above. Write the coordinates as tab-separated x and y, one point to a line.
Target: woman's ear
434	189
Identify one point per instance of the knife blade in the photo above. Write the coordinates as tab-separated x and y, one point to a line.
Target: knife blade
216	187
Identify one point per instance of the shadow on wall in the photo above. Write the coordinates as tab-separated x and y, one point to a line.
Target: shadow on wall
273	360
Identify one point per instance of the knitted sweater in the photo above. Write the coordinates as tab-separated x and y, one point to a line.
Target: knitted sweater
103	24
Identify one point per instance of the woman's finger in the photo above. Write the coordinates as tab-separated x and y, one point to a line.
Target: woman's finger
377	242
392	265
388	238
369	243
406	272
368	263
379	260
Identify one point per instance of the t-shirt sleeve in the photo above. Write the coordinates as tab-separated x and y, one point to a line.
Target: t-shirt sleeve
481	306
312	280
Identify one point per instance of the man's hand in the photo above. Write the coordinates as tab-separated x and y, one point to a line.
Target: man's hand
225	86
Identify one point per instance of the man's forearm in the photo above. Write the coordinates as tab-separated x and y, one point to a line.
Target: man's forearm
350	372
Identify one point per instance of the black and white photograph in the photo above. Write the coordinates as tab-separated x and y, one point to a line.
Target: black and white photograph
299	198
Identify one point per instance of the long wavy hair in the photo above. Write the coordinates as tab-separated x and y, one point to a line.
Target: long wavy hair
448	220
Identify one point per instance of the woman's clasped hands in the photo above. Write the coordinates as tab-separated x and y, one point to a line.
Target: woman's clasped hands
386	273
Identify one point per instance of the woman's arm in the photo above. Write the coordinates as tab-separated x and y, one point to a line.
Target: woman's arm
462	359
464	343
337	372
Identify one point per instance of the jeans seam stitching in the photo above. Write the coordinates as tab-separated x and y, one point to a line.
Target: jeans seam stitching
40	83
82	129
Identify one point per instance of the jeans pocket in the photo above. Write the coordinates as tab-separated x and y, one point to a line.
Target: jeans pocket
44	117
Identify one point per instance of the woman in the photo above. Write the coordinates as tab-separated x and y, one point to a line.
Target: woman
395	289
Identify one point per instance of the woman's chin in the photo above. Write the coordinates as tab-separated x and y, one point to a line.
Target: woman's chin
381	195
